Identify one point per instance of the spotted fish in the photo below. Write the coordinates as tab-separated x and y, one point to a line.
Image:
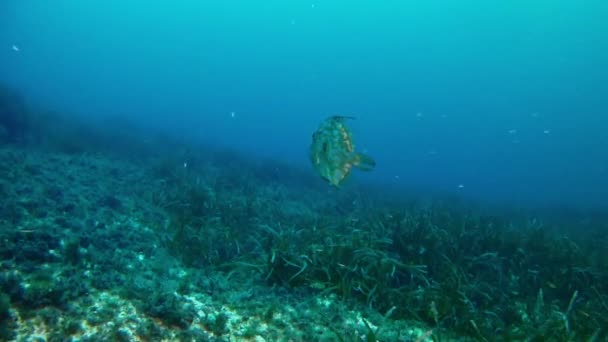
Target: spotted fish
332	151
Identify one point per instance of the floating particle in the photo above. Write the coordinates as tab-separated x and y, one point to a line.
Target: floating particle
16	48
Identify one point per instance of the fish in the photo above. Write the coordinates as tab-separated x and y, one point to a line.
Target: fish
332	151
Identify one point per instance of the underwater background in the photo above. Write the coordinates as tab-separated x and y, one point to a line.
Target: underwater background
154	161
506	98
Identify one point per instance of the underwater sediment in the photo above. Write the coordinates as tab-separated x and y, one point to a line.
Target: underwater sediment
154	242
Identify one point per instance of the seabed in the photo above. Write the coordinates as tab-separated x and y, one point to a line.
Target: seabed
113	236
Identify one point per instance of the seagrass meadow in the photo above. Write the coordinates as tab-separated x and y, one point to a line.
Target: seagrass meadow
111	235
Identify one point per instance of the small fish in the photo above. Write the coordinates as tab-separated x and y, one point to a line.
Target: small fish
16	48
332	151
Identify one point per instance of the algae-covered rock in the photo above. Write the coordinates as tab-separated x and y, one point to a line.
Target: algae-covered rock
6	329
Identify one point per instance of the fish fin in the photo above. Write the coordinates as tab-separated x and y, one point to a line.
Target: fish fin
341	117
364	162
338	176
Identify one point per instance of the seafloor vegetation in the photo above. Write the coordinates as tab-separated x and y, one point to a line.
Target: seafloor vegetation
115	234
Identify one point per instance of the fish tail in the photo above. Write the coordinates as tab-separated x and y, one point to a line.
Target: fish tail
364	162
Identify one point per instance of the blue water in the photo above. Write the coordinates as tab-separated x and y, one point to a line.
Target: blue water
502	101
